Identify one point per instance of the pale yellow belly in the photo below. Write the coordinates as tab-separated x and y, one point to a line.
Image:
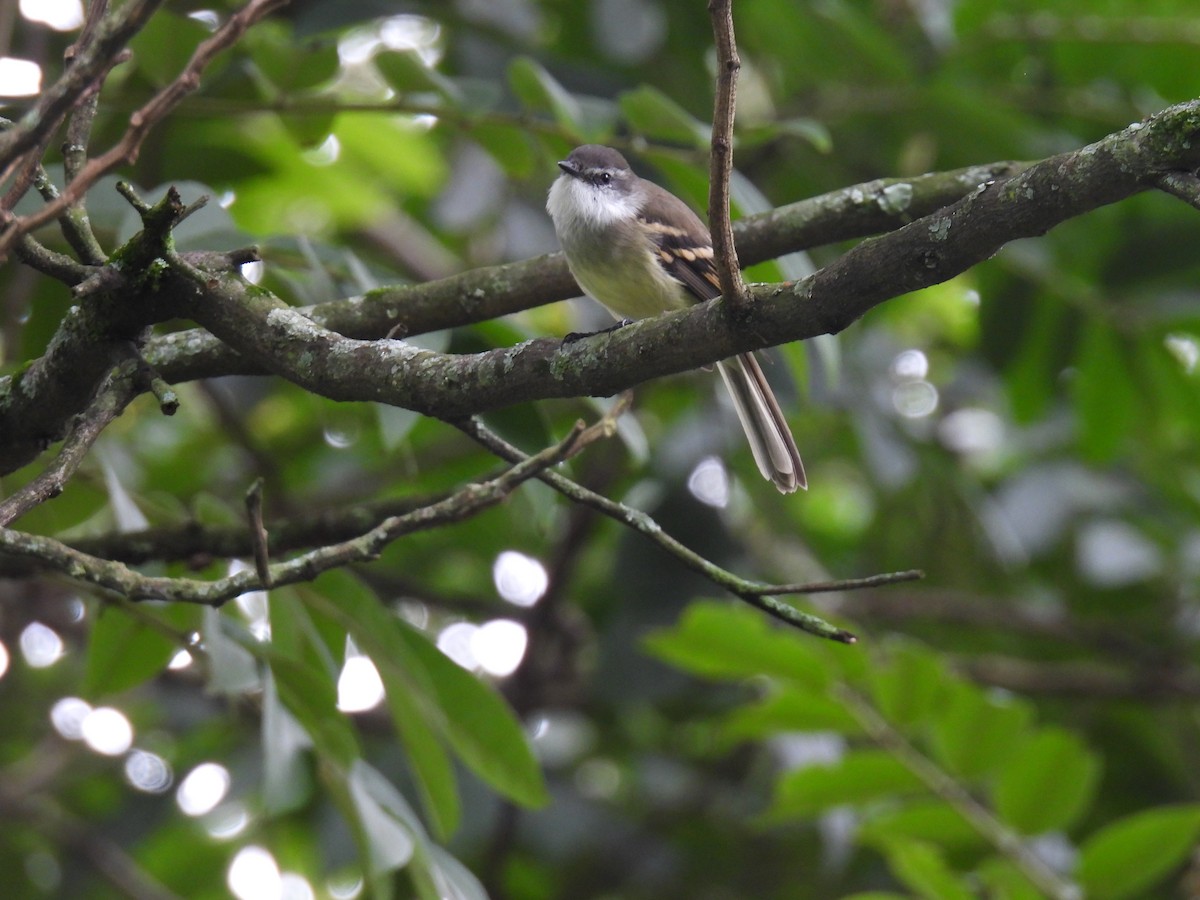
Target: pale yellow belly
631	295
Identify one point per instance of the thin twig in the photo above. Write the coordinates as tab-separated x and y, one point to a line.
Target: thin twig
111	576
75	223
844	584
50	262
109	403
999	835
721	162
90	63
749	591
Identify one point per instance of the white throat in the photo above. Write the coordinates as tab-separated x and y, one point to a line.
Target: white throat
578	207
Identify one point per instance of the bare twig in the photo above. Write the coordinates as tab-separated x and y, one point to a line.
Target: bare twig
1163	683
999	835
191	541
168	400
76	226
845	584
755	593
50	262
721	162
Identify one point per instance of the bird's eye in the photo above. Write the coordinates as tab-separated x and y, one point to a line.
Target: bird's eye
605	177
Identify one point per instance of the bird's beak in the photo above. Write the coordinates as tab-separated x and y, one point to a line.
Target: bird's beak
569	168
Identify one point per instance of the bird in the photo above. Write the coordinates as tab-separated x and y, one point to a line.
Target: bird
639	250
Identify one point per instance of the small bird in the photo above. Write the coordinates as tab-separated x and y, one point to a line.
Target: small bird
640	250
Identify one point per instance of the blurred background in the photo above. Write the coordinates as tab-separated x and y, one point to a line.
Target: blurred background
1026	434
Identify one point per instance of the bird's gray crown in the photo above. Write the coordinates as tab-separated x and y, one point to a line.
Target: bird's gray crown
596	164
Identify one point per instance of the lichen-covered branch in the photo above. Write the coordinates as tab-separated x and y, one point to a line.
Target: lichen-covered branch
925	252
488	293
269	336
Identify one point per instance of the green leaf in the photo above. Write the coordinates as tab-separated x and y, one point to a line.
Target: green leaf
1130	855
910	686
407	73
312	698
720	640
922	867
652	114
302	633
125	648
165	43
934	821
1041	331
391	827
1106	397
538	91
1004	881
286	784
789	710
431	765
973	733
291	65
452	878
509	145
231	667
476	722
479	724
860	776
814	133
1047	783
394	154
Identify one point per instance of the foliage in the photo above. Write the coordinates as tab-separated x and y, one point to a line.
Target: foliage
1019	724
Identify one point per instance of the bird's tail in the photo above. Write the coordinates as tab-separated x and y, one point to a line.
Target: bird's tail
770	438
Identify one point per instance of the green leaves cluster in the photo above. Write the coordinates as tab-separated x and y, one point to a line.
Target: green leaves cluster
954	786
438	710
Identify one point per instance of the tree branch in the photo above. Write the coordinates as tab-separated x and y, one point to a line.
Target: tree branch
35	413
488	293
107	575
87	66
928	251
109	403
756	593
923	253
199	543
1163	683
125	151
